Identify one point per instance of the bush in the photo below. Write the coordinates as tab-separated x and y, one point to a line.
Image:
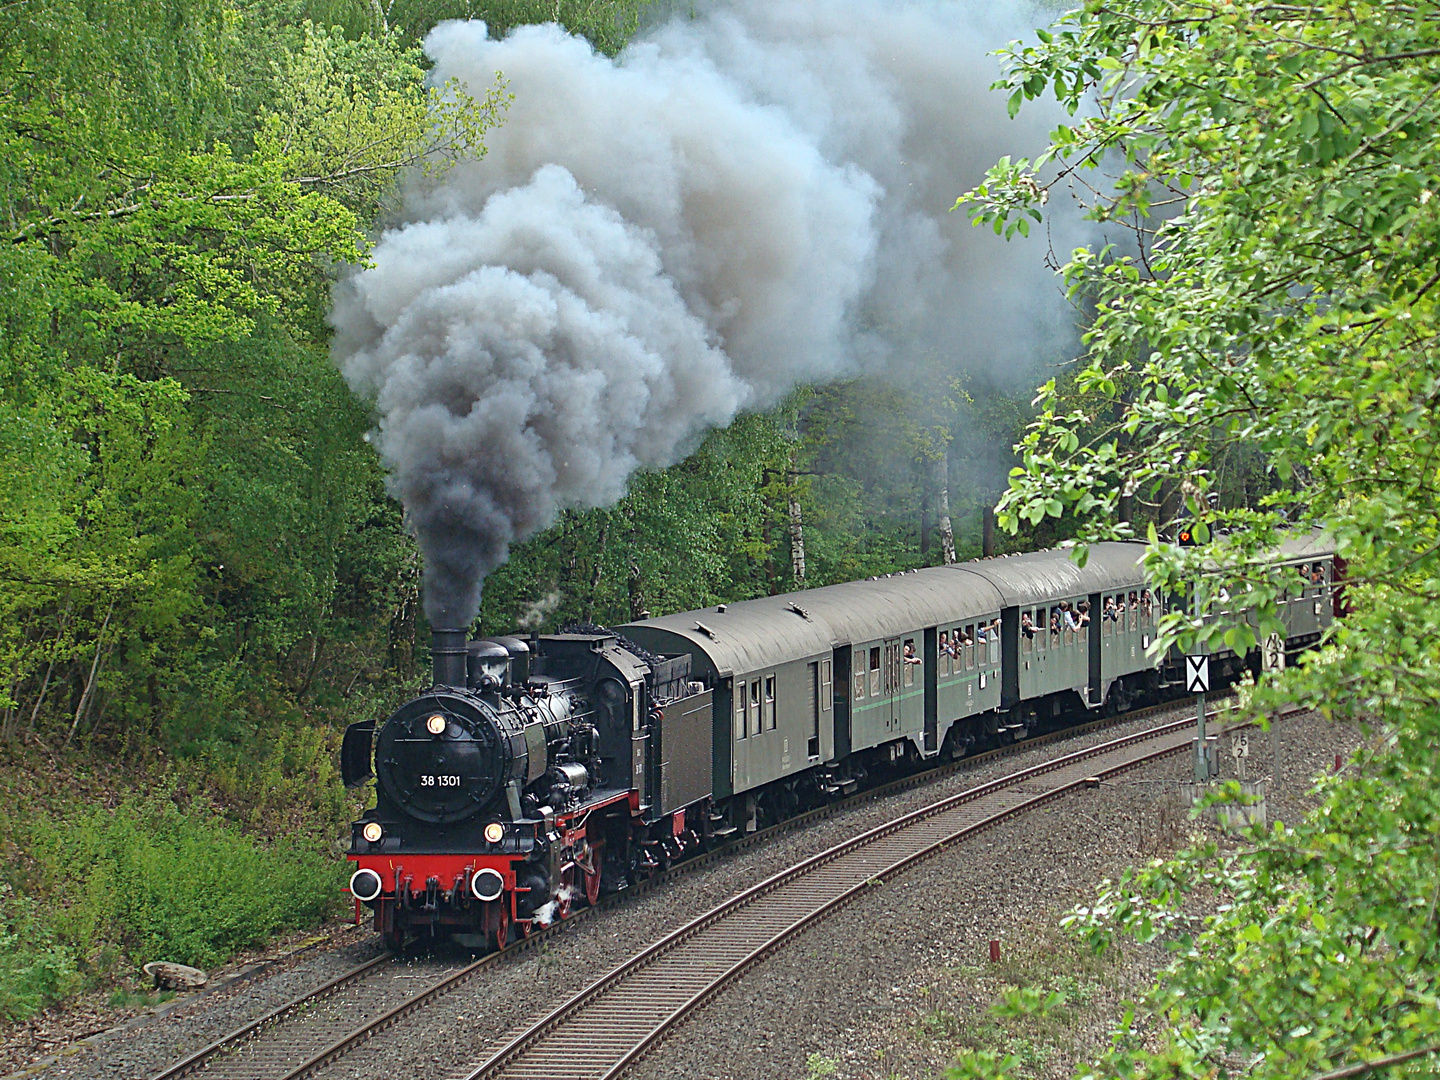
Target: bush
170	886
36	970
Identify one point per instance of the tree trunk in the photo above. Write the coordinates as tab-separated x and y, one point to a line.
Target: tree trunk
925	519
638	609
987	532
1172	507
87	696
797	536
942	507
597	572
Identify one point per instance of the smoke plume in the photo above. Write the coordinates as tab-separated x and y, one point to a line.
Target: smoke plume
743	201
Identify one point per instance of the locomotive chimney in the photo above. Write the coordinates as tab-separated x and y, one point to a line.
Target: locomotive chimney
447	657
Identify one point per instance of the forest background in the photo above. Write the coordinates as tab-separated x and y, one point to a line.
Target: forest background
202	578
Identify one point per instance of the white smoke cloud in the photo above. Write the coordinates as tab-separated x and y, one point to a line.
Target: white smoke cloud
741	202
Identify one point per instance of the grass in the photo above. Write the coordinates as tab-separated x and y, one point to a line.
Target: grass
1033	1005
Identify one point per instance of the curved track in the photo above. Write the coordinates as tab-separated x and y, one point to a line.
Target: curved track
598	1032
316	1028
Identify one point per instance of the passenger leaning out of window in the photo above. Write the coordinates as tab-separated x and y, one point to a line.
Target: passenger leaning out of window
1026	626
910	657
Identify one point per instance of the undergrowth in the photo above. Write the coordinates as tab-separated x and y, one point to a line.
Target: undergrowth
102	872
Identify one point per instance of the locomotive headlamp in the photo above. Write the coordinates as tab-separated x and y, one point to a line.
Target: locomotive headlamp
494	832
435	725
372	831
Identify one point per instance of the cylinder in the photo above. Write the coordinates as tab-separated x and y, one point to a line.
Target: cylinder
447	657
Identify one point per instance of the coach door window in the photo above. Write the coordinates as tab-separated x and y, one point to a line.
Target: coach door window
740	699
755	707
942	653
859	673
827	690
1027	632
769	702
875	671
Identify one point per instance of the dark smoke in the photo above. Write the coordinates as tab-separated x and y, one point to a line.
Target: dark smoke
742	202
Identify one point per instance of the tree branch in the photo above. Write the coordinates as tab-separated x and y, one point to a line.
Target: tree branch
1364	1067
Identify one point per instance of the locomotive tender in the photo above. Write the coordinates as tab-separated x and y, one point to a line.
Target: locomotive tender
535	775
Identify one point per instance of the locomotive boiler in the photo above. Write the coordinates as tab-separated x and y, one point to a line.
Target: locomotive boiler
529	778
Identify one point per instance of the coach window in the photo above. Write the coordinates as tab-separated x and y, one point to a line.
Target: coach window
739	709
859	673
1027	632
769	702
826	686
755	707
875	672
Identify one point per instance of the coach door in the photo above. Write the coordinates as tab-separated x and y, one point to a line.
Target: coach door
894	672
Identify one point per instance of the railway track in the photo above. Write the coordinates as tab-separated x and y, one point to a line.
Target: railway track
598	1032
305	1034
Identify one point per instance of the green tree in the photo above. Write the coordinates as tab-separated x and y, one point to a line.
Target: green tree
1277	167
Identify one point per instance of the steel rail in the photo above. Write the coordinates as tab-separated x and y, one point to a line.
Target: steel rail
187	1065
526	1051
353	1038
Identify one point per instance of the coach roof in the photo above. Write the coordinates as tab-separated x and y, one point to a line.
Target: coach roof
754	634
1044	576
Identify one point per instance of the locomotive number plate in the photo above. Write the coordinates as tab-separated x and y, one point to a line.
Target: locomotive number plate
439	781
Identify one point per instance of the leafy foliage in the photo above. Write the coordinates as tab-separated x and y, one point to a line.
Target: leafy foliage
167	885
1276	166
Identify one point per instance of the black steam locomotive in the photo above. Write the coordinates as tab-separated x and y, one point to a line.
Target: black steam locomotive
536	774
522	783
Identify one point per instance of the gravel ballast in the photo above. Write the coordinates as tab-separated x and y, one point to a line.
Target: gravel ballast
849	989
